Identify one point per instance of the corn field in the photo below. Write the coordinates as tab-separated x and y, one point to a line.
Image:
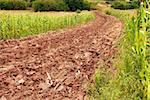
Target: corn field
21	25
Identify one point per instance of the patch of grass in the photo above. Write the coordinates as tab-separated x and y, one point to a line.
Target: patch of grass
132	80
121	14
23	24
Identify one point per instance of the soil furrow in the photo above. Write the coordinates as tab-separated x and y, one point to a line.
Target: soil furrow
56	65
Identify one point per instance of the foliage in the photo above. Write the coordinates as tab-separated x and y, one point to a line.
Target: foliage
125	5
77	4
49	5
46	5
21	25
121	14
60	5
132	82
13	4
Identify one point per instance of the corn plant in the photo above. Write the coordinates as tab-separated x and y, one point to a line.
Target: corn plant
136	57
141	47
21	25
133	79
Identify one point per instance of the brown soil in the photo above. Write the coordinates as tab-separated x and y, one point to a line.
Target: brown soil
56	65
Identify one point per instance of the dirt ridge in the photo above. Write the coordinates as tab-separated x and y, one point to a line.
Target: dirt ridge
56	65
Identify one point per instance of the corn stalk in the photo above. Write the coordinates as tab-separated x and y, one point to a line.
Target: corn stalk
142	46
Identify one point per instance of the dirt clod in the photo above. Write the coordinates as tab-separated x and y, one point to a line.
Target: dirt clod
56	65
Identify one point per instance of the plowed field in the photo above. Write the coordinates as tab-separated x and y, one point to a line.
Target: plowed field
56	65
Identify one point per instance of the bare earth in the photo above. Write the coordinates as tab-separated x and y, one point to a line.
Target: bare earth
59	64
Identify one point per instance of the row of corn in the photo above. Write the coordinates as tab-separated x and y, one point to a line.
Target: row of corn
139	39
21	25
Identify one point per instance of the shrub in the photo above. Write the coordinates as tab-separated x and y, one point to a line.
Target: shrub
77	4
125	5
30	2
49	5
135	4
60	5
86	5
13	4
